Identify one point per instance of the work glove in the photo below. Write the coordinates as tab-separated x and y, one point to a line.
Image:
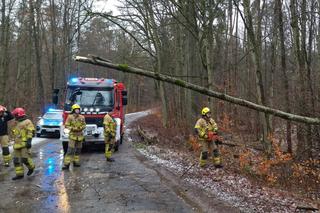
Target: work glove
28	144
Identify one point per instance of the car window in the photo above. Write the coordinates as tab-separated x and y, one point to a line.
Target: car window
53	115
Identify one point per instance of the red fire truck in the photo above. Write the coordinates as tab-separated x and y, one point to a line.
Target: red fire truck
96	97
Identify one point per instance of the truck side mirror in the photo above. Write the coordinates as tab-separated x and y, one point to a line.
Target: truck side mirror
124	92
124	100
55	97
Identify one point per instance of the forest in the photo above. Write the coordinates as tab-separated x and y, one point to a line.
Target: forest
263	51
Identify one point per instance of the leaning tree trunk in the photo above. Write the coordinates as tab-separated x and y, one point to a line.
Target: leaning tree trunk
202	90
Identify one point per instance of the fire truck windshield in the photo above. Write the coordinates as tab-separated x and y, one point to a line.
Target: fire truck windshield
90	97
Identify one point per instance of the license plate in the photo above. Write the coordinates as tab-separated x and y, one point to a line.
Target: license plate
50	130
90	129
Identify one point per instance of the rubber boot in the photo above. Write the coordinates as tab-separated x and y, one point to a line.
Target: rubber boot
30	166
30	171
110	159
76	161
216	159
19	172
203	159
17	178
108	152
66	167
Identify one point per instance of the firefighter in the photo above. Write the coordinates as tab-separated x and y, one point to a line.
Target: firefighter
109	136
22	133
206	129
5	116
76	124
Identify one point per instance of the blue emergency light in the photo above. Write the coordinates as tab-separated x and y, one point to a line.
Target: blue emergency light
74	80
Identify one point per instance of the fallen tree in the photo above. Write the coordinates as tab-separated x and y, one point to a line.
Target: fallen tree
95	60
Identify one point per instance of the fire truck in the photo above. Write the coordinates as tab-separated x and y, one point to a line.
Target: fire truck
96	97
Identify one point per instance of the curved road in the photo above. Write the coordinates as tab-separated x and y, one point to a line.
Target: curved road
127	185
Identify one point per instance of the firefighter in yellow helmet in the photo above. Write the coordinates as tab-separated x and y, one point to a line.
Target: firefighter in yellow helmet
22	133
76	124
109	136
206	129
5	116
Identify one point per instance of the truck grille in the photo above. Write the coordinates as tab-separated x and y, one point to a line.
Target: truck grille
97	121
47	126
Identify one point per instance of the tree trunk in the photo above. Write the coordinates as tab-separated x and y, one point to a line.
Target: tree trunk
157	44
278	5
202	90
255	41
35	13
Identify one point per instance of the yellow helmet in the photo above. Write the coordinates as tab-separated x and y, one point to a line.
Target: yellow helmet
75	106
205	110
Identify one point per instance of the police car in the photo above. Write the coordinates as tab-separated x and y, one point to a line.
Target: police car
50	123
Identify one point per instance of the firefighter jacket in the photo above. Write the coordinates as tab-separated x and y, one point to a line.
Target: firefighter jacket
4	123
203	127
22	131
76	124
109	126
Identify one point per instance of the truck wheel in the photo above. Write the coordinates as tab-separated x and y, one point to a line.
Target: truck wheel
65	147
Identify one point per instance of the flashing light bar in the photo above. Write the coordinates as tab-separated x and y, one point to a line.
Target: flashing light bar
74	80
53	110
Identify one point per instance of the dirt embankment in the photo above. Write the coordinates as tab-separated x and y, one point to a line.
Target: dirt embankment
246	180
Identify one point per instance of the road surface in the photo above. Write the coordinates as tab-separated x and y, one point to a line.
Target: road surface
127	185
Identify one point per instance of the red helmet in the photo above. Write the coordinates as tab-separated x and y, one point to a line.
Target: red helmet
18	112
2	109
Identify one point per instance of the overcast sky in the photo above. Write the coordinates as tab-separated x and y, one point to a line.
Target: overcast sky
106	6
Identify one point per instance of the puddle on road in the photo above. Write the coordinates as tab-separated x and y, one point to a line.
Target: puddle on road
52	180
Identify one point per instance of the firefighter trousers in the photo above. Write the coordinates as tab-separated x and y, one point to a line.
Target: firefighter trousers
73	153
4	141
109	146
22	157
209	149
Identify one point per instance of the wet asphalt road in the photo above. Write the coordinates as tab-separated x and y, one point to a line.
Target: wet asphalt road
127	185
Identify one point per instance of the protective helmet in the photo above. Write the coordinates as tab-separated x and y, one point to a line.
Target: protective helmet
2	109
75	106
18	112
205	111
